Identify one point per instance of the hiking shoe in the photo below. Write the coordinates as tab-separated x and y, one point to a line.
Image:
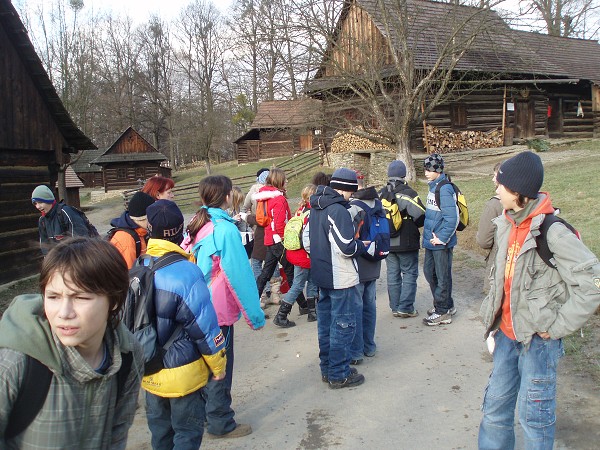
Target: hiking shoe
325	379
406	315
241	429
354	379
356	362
451	311
437	319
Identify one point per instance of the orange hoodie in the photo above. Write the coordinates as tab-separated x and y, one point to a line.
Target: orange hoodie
126	245
516	238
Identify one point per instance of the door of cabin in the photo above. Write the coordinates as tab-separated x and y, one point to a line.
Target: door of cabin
524	119
555	118
306	141
253	150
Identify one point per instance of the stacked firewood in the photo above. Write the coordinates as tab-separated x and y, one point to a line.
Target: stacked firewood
443	141
346	142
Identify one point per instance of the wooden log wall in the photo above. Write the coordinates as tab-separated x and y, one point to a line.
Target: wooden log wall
575	126
278	143
91	179
112	182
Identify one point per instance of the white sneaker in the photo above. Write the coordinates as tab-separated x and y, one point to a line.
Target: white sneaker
451	311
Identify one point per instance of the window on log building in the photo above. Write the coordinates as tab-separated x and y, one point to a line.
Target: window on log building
458	116
140	173
121	174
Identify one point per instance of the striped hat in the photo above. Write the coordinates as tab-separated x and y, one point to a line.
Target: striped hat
344	180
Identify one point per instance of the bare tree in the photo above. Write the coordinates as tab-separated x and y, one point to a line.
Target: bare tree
565	17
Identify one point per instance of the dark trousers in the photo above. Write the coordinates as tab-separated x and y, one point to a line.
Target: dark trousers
276	254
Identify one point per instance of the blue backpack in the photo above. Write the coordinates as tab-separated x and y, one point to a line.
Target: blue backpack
374	227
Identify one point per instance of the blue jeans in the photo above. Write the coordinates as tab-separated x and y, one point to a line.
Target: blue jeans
217	394
301	277
402	274
175	423
366	316
336	324
526	376
437	269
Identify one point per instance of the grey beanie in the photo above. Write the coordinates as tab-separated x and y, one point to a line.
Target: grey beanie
523	174
344	180
434	163
42	194
396	169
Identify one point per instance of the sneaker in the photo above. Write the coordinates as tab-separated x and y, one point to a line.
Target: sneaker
241	429
406	315
354	379
451	311
437	319
324	378
356	362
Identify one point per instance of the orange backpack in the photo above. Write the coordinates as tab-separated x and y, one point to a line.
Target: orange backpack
262	213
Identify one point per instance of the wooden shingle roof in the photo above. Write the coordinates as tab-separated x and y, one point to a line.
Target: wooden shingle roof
305	113
84	162
130	146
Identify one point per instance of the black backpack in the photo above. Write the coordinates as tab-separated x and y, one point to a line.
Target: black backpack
92	231
34	390
130	232
543	250
139	313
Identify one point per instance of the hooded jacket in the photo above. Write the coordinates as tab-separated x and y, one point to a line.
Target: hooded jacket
333	248
542	299
60	222
443	219
181	297
279	211
81	410
300	257
367	270
124	241
222	259
413	216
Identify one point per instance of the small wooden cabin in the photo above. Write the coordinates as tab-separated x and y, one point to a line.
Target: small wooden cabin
281	128
37	136
89	173
129	162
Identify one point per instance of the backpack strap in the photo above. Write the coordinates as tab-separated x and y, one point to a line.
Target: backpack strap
136	238
123	373
541	240
439	186
31	397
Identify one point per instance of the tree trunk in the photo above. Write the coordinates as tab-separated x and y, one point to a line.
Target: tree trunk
404	151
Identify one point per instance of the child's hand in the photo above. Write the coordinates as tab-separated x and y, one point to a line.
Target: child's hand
435	240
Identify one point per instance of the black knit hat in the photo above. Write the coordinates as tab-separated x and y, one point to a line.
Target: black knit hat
165	221
434	163
523	174
344	180
264	169
138	204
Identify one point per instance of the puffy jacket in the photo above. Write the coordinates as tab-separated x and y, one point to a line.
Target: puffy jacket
81	410
367	270
413	216
279	211
60	222
558	301
223	260
333	248
300	257
124	241
181	297
443	219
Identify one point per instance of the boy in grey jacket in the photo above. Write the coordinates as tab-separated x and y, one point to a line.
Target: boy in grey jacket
530	308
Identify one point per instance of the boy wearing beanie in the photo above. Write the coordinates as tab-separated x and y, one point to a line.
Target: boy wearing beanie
175	406
439	240
58	220
530	308
130	231
333	249
403	261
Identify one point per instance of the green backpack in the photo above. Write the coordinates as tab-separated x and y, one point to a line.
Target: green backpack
292	234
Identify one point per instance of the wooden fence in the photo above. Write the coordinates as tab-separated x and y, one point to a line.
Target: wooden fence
187	193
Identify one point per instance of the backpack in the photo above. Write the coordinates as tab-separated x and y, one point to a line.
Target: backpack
543	250
92	231
34	390
130	232
139	314
292	234
389	201
374	227
262	213
461	202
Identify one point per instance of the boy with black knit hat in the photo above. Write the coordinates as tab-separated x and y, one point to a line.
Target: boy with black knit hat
58	220
530	308
439	240
130	231
335	272
403	261
175	406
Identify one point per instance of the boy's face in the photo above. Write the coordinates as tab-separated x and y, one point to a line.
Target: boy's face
507	199
431	176
43	207
78	318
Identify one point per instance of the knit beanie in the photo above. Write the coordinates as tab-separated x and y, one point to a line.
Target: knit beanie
165	221
262	176
138	204
344	180
434	163
42	194
397	169
523	174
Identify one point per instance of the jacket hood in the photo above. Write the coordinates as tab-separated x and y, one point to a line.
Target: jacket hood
124	221
24	328
542	205
368	193
267	193
325	196
159	247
